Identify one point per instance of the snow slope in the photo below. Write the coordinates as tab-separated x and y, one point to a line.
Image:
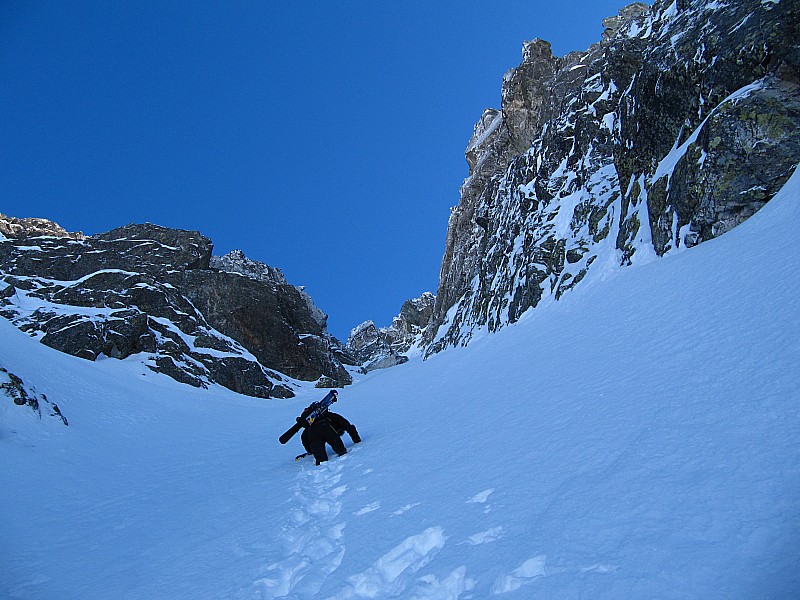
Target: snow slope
637	439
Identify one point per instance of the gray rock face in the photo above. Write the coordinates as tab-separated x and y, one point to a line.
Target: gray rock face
380	348
406	328
21	394
133	248
677	126
149	289
271	320
12	227
371	350
236	262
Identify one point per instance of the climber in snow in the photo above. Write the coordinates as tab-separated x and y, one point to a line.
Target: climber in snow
327	428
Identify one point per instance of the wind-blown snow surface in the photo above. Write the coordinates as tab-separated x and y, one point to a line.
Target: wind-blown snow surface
638	439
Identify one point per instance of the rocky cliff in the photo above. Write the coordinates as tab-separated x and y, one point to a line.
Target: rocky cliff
152	291
379	348
674	128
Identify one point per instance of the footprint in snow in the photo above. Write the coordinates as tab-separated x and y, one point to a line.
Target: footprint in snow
452	586
528	571
310	545
484	537
388	576
481	497
599	568
405	509
368	509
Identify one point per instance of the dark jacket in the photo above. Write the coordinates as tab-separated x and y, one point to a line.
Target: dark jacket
340	424
335	420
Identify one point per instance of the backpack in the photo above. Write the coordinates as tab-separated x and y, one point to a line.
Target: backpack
317	410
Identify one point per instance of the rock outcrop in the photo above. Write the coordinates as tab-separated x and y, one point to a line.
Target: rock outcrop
378	348
372	351
236	262
677	126
11	227
150	290
278	322
22	394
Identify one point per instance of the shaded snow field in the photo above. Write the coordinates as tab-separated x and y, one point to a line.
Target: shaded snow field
638	439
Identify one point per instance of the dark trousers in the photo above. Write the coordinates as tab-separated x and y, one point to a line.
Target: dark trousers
321	433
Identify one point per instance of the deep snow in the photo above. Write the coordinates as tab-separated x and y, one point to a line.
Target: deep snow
637	439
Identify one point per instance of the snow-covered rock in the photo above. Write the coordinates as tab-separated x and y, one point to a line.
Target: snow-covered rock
21	394
369	346
380	348
681	123
149	290
236	262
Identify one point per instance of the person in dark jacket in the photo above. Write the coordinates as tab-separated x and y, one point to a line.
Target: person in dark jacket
328	429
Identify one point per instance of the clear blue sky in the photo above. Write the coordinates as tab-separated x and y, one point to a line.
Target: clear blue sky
323	138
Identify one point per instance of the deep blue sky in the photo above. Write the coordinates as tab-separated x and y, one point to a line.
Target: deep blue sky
323	138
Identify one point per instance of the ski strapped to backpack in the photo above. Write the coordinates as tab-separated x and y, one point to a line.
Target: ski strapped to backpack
310	414
321	407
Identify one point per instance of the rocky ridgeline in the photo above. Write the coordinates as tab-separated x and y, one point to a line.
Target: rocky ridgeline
150	290
379	348
236	262
11	227
677	126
